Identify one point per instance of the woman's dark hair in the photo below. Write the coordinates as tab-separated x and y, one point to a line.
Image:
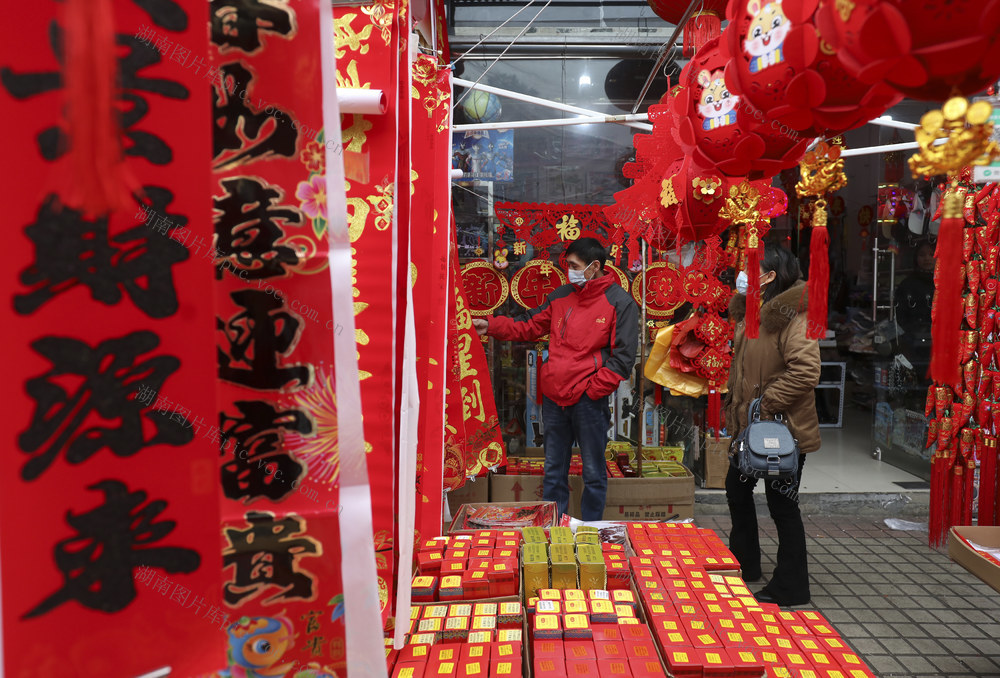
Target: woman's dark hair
784	264
589	250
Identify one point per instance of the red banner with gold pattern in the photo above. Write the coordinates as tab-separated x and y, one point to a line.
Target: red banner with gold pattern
279	461
368	45
109	510
431	101
473	443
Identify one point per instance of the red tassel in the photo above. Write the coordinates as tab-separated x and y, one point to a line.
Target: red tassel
987	480
715	412
957	485
700	28
819	275
753	293
970	472
99	180
946	323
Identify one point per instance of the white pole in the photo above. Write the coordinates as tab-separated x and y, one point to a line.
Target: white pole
549	104
889	122
887	148
550	122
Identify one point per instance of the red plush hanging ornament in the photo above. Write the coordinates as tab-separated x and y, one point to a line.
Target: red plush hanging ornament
927	50
703	25
98	180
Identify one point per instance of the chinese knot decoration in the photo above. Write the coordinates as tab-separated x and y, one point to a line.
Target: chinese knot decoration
822	172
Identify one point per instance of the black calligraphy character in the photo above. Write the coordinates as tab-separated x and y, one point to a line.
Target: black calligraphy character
257	336
52	142
312	621
248	226
72	250
238	23
111	541
238	125
259	467
267	555
110	377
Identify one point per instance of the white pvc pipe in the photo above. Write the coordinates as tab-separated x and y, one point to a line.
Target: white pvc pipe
457	174
548	104
362	101
896	124
551	122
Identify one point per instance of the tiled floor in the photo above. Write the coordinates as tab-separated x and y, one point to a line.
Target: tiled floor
906	608
844	463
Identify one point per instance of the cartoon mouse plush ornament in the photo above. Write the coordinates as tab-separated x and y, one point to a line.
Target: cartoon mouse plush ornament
795	81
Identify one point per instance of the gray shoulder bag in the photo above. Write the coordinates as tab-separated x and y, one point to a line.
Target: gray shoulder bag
766	449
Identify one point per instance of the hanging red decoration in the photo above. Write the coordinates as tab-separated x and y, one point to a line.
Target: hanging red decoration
485	287
535	282
720	129
690	198
793	78
703	25
928	50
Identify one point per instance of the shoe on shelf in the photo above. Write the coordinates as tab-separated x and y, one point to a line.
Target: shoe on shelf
763	596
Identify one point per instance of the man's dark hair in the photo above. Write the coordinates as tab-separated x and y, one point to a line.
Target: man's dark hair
589	250
780	260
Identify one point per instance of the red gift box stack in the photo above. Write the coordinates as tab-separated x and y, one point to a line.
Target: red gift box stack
593	633
707	623
468	567
460	640
535	466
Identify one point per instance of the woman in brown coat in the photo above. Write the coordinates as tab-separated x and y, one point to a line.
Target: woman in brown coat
781	367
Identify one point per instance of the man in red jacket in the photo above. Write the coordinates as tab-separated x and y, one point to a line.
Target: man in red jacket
593	328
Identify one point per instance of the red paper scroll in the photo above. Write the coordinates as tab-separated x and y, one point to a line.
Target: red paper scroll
368	46
277	409
473	443
429	252
109	506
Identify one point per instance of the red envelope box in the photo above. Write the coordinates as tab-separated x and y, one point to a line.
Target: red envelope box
833	644
409	670
610	649
618	576
850	663
503	544
579	649
684	662
809	644
429	563
476	584
798	630
635	632
449	567
823	629
671	639
613	668
417	652
746	663
506	668
690	609
606	632
581	668
446	669
473	668
548	667
476	652
424	589
822	660
640	649
552	649
646	668
796	661
705	639
715	661
733	639
503	579
445	653
506	651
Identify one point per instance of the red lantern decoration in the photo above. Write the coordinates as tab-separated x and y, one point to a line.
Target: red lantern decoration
794	77
927	50
690	199
704	24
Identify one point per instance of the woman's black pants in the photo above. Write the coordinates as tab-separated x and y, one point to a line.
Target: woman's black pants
790	582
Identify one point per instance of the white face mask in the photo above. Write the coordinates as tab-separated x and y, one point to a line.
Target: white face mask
742	282
578	278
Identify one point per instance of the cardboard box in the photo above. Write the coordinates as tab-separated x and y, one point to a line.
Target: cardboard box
962	541
472	492
713	464
646	491
648	511
529	488
546	507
